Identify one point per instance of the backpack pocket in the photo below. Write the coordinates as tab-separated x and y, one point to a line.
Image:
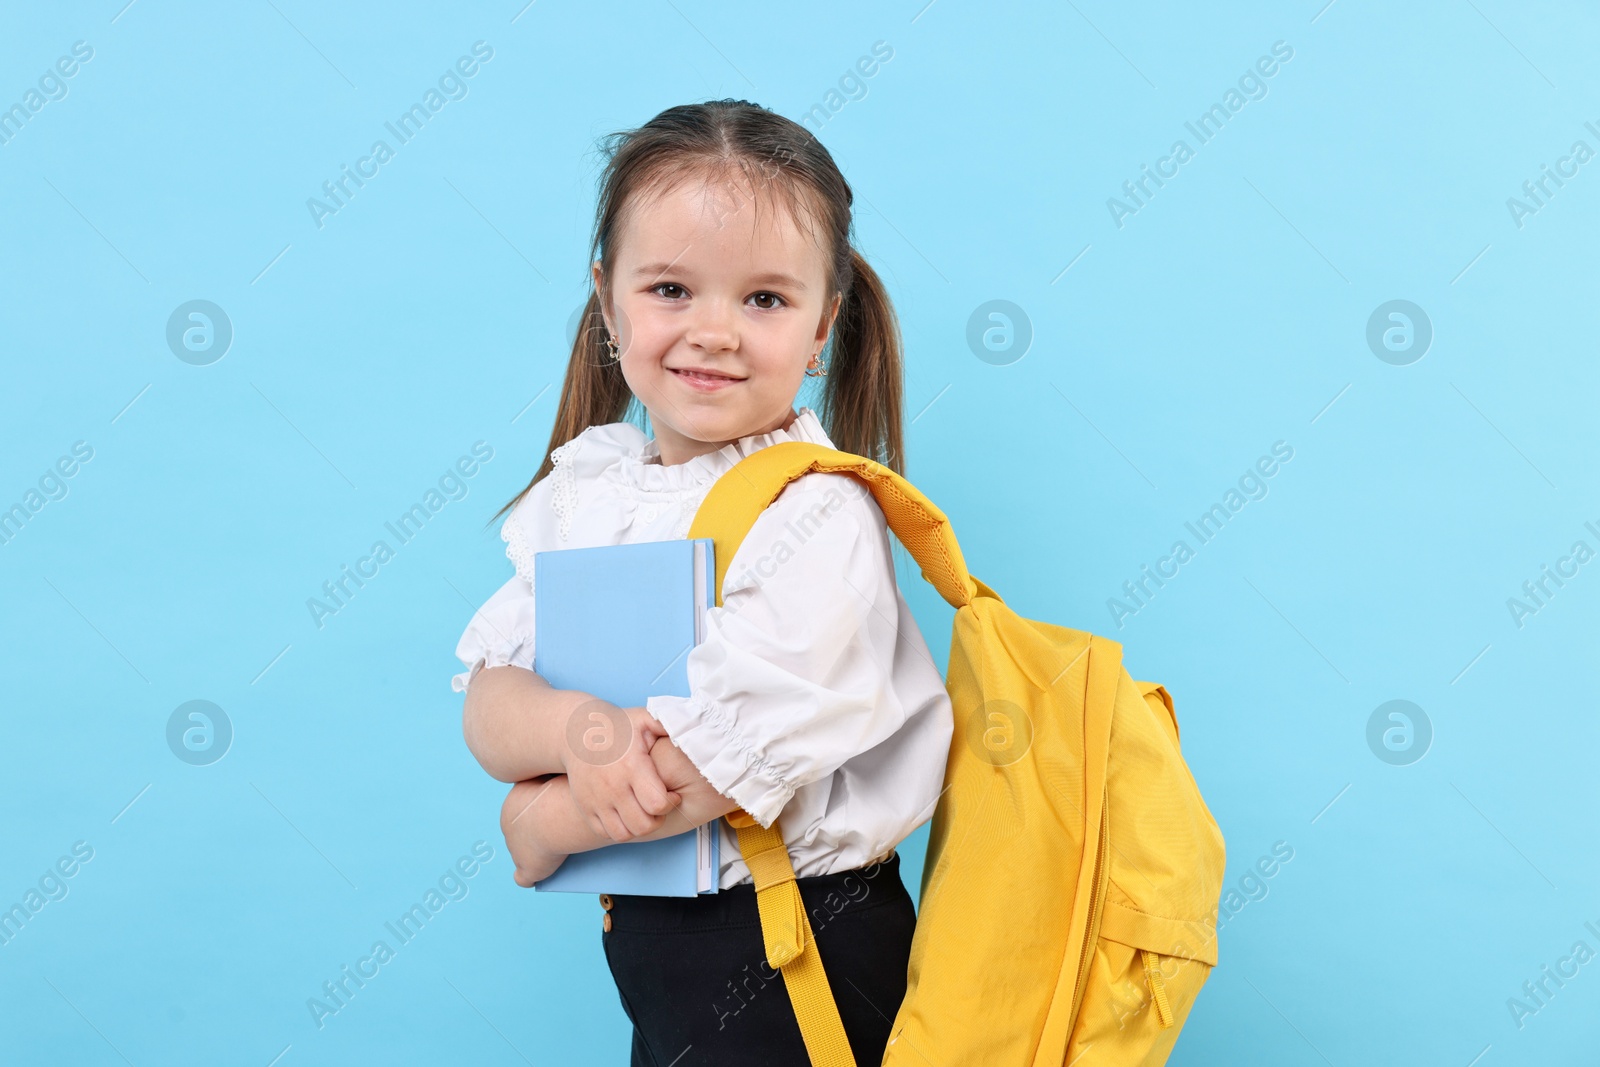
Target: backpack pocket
1144	977
1156	942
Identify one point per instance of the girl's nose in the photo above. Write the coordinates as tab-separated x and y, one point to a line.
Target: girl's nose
713	326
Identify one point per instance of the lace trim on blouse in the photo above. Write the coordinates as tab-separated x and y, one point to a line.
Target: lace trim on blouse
564	499
564	485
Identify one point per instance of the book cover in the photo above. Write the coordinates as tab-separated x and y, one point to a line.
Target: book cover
618	621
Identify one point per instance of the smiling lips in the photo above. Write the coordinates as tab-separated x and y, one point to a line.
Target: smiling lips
704	381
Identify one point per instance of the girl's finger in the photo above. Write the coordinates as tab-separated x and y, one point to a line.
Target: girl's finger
633	817
651	795
640	821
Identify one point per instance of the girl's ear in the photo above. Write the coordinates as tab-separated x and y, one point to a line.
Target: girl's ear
825	326
600	293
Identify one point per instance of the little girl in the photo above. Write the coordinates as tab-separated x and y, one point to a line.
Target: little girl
723	276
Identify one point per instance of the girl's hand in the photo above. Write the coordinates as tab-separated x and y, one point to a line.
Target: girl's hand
613	779
519	822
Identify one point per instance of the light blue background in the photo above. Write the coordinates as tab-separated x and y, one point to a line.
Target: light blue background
431	312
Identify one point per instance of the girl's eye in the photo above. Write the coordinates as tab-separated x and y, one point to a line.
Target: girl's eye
776	301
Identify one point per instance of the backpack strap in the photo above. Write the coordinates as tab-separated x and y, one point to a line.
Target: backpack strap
730	508
790	944
741	494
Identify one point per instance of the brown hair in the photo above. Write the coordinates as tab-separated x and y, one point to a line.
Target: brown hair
861	394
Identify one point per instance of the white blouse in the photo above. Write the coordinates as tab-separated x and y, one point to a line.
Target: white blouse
813	692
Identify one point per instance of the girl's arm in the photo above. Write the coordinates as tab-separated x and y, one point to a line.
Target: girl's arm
543	826
519	727
701	803
515	722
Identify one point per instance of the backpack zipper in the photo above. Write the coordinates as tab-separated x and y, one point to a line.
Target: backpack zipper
1091	932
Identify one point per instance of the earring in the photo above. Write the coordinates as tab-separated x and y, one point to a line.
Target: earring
821	368
611	347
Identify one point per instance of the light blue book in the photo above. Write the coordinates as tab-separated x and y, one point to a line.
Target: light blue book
618	621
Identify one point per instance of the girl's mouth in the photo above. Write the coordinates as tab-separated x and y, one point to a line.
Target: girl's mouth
704	381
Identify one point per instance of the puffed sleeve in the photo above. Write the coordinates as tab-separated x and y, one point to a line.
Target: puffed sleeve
500	633
792	677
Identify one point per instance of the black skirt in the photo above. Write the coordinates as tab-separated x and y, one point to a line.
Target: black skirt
694	979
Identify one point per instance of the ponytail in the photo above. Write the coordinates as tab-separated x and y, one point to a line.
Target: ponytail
862	393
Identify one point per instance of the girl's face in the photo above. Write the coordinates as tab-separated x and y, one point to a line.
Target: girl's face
716	313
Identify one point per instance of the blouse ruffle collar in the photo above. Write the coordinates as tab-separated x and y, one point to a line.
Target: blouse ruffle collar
641	467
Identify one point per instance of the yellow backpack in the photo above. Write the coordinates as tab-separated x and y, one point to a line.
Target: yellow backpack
1070	889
